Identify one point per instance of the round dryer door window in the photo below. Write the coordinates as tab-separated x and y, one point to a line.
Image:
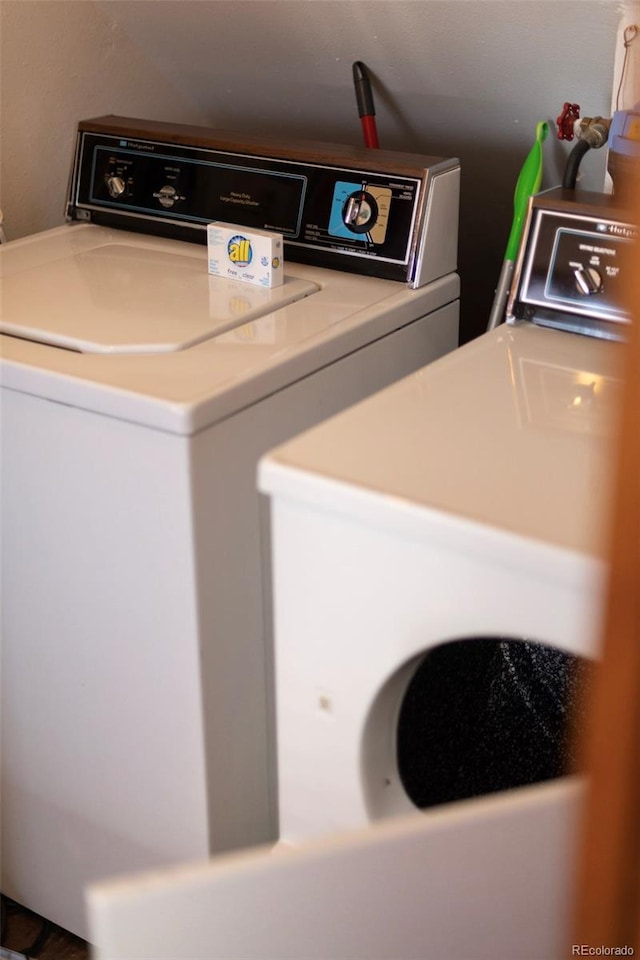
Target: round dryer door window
487	714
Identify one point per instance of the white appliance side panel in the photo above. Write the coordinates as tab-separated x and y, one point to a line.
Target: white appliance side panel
438	252
234	605
488	880
102	756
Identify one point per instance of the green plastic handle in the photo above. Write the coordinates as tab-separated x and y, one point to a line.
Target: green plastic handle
528	183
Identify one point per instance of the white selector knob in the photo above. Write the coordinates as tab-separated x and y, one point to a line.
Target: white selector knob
588	280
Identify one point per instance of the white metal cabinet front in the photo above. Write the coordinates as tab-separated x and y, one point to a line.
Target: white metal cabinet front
481	880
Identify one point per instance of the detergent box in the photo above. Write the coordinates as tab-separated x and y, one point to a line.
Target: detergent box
254	256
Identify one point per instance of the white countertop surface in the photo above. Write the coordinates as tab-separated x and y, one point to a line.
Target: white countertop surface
511	434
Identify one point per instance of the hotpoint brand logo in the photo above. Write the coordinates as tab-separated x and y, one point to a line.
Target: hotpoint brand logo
239	251
618	230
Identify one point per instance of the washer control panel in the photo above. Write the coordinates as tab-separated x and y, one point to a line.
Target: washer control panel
343	207
572	265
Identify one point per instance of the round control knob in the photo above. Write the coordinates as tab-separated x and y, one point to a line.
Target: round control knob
588	280
116	186
167	196
360	212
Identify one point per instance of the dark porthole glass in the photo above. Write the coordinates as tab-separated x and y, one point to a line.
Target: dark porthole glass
487	714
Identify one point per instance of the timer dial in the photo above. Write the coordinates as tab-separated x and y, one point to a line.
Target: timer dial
360	212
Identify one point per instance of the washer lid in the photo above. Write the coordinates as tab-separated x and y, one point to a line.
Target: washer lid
125	297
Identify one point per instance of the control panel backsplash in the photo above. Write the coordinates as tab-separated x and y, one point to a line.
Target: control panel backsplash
572	267
354	218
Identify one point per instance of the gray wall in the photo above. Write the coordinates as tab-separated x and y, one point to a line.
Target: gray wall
469	78
60	61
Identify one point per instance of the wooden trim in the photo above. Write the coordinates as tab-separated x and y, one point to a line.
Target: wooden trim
608	881
309	151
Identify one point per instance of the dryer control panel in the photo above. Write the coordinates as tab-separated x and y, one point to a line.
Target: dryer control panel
572	264
382	213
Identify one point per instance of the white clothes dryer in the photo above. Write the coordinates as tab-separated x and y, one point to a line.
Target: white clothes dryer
438	572
138	393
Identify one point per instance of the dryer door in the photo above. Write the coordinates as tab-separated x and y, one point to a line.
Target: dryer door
486	878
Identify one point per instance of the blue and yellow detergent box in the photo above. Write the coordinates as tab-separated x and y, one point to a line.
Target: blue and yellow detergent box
254	256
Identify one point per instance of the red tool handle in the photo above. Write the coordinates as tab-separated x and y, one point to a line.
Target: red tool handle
369	131
366	110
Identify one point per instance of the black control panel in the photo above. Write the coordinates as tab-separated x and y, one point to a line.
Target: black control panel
329	214
572	267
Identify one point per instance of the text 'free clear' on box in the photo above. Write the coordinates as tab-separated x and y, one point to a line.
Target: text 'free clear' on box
254	256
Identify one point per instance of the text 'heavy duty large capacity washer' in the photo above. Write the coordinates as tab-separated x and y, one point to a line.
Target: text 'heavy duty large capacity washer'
138	393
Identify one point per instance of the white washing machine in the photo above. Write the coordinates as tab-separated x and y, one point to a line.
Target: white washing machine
138	393
466	503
